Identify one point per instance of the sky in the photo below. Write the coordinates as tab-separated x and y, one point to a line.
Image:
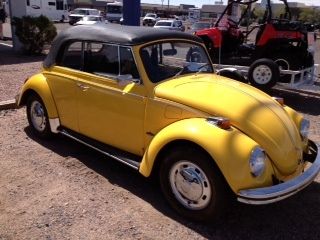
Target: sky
199	3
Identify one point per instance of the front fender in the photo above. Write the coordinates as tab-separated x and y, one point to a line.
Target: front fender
230	149
38	84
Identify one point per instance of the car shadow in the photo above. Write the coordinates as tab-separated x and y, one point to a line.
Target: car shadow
295	218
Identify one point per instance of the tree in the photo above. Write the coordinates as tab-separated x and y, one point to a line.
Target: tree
310	15
34	32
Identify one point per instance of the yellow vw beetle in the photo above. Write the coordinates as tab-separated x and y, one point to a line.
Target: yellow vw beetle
149	98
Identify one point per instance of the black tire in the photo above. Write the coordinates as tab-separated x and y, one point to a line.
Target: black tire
210	206
263	73
40	124
233	74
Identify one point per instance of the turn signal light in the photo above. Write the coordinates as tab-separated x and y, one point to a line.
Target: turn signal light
279	100
223	123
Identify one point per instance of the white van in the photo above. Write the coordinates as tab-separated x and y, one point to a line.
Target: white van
55	10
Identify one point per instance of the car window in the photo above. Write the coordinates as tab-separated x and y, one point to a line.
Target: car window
72	56
102	59
127	63
171	59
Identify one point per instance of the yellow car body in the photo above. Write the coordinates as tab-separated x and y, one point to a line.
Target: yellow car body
145	118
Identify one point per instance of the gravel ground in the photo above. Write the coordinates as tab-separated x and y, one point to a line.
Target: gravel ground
60	189
14	70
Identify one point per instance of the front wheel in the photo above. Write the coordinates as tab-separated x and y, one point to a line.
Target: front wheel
192	185
38	117
263	73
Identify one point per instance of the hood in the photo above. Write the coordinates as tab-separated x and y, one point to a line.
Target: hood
249	109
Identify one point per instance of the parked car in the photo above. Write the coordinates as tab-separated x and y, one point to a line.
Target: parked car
150	99
199	26
170	25
79	13
89	20
150	19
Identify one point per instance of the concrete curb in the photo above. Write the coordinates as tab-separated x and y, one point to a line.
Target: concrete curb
9	104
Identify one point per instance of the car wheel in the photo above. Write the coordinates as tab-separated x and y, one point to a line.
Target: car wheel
38	117
263	73
192	185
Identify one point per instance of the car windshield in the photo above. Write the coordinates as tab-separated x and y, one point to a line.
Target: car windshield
167	24
200	25
151	15
175	58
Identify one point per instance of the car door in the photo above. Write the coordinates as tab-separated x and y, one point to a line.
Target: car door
111	104
62	79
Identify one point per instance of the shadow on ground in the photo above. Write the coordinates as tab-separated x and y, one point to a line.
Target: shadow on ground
295	218
8	56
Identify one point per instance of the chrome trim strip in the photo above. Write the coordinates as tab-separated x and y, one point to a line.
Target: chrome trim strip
281	191
54	124
99	150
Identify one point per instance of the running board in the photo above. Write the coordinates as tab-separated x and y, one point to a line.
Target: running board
128	159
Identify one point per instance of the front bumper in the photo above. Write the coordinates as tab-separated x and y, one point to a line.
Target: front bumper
281	191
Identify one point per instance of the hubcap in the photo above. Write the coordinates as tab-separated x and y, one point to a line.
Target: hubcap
262	74
190	185
38	117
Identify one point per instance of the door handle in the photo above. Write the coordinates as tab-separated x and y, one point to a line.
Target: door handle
82	86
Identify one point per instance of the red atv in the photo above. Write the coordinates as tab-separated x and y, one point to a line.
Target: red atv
280	44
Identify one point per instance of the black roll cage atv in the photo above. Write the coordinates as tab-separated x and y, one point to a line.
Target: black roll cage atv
278	53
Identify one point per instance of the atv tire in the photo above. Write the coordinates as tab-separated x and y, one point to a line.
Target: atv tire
263	73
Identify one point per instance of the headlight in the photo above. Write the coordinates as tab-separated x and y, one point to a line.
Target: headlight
257	161
304	128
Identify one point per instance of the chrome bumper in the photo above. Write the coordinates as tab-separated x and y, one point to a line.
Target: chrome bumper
280	191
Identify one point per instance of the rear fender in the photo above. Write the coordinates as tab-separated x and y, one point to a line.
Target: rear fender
38	84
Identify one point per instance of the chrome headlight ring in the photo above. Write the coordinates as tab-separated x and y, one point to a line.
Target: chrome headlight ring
304	128
257	161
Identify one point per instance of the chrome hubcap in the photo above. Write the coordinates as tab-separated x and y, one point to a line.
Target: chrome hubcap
262	74
37	116
190	185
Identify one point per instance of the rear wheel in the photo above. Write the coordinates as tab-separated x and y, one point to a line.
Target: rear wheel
38	117
192	185
263	73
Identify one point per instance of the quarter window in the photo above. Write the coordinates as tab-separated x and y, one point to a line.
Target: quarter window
72	57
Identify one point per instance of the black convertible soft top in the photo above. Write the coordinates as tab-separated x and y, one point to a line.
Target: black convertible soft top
113	33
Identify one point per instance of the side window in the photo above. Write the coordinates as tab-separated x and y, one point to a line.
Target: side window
127	63
72	57
101	59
